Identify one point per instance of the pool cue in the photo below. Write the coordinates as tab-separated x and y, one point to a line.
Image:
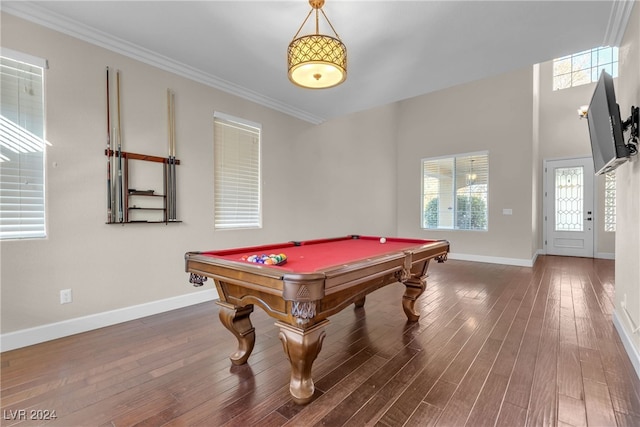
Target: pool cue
119	135
114	172
173	157
167	186
171	171
109	212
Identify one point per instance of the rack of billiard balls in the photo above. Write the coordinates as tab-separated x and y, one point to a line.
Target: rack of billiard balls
272	259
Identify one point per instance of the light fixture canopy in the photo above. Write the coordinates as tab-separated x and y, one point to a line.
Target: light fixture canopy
317	61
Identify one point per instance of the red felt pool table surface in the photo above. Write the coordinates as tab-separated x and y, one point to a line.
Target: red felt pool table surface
315	255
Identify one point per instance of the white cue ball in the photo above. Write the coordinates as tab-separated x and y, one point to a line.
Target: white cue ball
383	240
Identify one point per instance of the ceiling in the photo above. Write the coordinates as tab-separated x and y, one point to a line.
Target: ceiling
396	49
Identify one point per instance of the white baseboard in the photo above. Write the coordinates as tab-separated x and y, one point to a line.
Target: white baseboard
536	255
495	260
605	255
632	351
51	331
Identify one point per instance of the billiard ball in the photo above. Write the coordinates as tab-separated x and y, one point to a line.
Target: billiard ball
383	240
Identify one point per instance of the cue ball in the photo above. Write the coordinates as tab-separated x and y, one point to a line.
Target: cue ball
383	240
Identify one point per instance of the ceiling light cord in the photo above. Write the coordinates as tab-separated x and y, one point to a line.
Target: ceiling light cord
328	22
317	22
304	22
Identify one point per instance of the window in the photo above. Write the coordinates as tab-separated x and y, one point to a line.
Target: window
610	201
584	67
236	173
454	192
569	183
22	146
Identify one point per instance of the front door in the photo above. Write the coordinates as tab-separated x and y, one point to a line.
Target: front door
569	207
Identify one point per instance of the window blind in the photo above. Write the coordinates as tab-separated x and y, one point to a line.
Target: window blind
22	148
237	201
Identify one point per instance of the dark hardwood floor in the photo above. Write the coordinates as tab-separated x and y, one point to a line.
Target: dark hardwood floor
495	345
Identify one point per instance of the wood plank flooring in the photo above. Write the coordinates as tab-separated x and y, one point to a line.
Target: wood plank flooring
495	346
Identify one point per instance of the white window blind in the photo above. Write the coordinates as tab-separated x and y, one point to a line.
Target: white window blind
22	147
237	201
454	192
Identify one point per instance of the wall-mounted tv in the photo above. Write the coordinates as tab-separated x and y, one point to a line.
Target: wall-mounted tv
606	128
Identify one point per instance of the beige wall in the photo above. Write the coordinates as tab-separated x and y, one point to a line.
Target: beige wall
562	134
356	174
521	121
345	176
333	179
493	115
536	169
628	193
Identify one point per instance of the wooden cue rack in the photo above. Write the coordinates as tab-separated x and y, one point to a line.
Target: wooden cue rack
126	156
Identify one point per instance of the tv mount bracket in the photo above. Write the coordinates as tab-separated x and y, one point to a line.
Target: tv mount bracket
633	122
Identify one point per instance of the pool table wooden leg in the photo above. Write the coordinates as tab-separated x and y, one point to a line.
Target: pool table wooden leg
236	320
360	302
415	286
301	347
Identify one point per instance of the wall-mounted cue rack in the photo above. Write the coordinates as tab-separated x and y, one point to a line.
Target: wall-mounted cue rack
131	205
132	197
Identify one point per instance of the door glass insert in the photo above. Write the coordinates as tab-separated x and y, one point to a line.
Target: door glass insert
569	198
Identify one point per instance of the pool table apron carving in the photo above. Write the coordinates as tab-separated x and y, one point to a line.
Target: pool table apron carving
302	302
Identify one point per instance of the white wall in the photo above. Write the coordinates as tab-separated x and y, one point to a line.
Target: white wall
493	114
628	199
333	179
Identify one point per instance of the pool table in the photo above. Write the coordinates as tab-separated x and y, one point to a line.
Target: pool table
319	278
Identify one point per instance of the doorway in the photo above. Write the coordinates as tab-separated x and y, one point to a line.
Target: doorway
569	207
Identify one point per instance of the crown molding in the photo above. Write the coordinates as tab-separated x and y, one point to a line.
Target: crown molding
37	14
618	20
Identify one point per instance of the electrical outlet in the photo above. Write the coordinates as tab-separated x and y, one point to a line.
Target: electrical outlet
65	296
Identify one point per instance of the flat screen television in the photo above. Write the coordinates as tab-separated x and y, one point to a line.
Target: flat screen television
606	128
